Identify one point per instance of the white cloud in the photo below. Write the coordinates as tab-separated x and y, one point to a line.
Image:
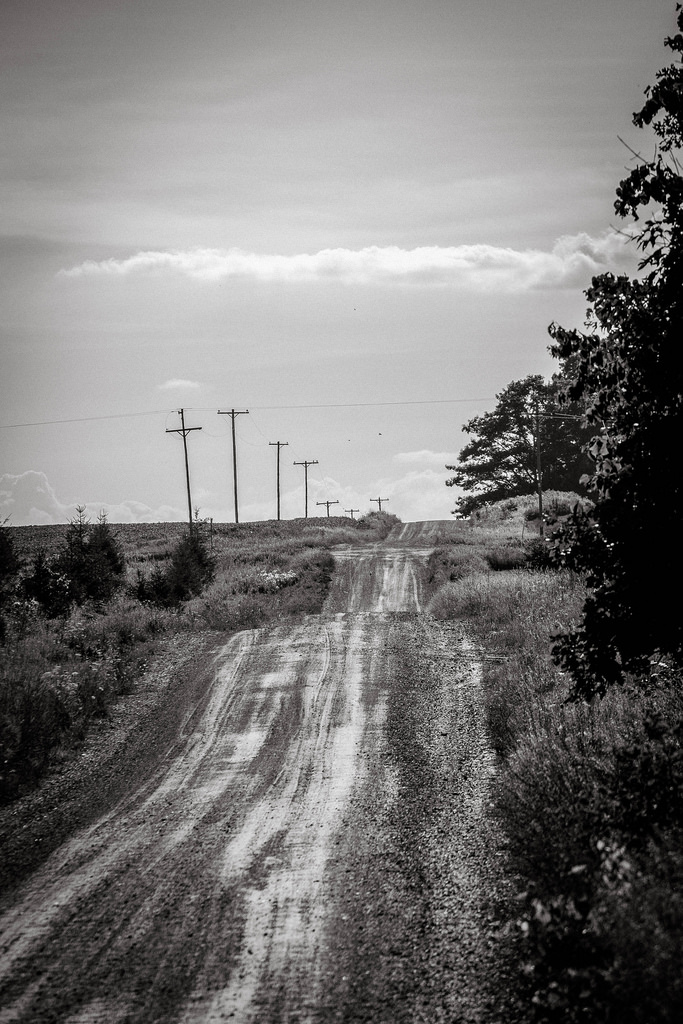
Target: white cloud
414	496
570	263
418	495
28	499
425	457
177	384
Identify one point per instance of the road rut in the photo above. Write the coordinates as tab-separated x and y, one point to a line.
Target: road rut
313	795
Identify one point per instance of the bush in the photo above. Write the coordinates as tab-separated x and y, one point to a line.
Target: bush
90	566
9	567
92	560
448	564
191	568
48	587
506	557
540	554
53	683
381	523
592	802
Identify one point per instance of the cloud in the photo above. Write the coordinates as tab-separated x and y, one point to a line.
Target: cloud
425	457
414	496
177	384
570	263
28	499
418	495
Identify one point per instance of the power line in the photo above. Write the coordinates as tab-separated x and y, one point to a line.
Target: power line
89	419
373	405
265	408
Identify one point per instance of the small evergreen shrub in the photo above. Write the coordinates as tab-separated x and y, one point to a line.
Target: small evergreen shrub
191	568
9	567
89	567
48	587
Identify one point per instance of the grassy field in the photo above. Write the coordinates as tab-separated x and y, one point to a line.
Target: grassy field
590	796
59	676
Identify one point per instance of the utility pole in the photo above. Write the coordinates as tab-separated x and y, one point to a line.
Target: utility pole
352	510
327	503
305	464
280	444
184	431
379	502
232	413
539	473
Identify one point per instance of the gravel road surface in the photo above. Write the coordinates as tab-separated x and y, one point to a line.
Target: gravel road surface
297	835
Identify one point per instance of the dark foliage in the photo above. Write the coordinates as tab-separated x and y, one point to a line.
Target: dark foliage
49	587
381	522
602	920
90	566
191	568
501	459
9	567
628	372
92	559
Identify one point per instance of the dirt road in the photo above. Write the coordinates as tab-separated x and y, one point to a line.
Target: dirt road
310	845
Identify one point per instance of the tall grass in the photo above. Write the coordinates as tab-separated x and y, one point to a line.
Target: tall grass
58	676
591	799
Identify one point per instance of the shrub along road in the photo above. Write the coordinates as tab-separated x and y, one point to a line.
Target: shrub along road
303	838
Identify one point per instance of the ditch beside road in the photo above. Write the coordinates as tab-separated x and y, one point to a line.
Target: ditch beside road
303	837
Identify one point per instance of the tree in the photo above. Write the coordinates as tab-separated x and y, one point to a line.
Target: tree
49	586
627	369
91	566
9	567
191	568
92	559
106	565
501	460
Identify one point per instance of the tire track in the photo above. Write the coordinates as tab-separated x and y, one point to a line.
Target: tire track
206	893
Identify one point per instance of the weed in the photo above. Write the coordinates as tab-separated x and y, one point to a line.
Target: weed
591	799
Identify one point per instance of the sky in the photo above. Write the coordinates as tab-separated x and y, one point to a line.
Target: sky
354	220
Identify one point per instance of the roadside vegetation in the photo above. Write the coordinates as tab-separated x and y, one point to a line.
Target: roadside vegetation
583	639
85	608
590	795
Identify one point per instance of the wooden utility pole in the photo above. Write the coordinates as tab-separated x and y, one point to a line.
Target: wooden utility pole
280	444
327	503
539	471
184	431
379	502
232	413
305	464
352	510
